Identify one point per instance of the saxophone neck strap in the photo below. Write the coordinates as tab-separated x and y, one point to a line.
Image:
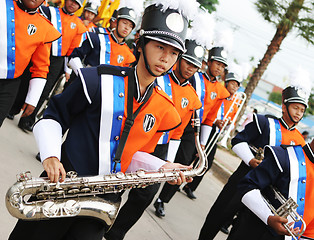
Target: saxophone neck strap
130	116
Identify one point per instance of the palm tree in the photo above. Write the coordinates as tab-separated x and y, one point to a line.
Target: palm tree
286	15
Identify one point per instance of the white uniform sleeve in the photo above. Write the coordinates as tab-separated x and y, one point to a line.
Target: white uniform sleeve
143	160
205	132
75	64
242	149
48	135
36	86
255	202
67	69
172	149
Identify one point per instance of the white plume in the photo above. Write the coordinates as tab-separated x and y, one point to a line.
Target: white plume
203	29
300	79
236	69
224	39
136	5
187	8
95	2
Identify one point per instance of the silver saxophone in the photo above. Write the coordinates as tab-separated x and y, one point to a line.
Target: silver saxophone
33	198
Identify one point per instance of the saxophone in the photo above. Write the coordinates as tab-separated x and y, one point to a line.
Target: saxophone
38	199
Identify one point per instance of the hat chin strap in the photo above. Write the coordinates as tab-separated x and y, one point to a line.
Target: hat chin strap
295	122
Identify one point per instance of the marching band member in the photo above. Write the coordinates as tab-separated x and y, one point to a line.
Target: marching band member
185	99
264	130
208	93
26	36
289	169
71	28
102	47
232	84
107	95
89	14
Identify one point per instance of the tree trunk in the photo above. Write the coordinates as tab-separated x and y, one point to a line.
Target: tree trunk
283	29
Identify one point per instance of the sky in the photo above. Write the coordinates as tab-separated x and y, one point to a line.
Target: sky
252	34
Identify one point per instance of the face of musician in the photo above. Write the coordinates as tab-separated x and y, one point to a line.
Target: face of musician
32	4
185	70
215	68
232	87
160	56
71	6
124	28
89	16
295	110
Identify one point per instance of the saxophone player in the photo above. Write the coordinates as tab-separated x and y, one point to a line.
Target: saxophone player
109	114
264	130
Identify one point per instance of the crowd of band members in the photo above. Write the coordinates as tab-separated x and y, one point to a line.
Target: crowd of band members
69	43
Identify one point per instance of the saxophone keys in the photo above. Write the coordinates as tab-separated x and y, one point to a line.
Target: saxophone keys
29	211
85	189
73	191
72	208
50	209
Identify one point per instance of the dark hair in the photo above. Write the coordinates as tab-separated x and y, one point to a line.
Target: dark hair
305	133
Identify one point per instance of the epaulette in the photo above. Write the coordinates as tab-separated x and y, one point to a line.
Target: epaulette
113	70
163	94
285	146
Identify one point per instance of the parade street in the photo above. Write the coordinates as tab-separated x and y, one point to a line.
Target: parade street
184	217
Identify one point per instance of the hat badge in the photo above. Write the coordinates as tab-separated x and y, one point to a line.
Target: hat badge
175	22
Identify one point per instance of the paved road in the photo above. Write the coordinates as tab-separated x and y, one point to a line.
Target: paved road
184	217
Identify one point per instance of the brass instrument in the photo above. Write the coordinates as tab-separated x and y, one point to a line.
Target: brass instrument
259	152
240	98
287	208
223	135
77	196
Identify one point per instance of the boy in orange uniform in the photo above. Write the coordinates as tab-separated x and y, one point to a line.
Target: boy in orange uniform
102	47
26	36
119	112
72	29
232	84
185	99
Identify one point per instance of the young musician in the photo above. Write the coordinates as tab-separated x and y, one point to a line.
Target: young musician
110	99
257	134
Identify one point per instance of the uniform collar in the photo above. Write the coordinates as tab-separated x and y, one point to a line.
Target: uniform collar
177	81
208	78
308	151
66	12
285	125
115	39
137	93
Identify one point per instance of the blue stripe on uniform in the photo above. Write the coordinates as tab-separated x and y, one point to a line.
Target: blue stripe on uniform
118	112
200	89
10	39
278	133
166	87
108	49
301	186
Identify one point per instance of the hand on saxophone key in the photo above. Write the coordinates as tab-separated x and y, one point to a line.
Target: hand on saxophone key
276	223
54	169
182	177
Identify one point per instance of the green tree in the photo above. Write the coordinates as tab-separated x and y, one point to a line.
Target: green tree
275	97
285	15
210	5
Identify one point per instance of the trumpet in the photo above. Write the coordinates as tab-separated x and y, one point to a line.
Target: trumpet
223	135
287	208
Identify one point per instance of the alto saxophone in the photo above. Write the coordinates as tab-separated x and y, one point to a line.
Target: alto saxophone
38	199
